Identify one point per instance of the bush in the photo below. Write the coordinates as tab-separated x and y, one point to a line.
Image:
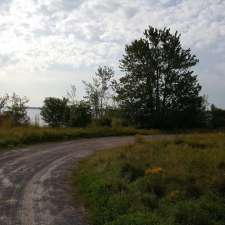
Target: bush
79	115
55	111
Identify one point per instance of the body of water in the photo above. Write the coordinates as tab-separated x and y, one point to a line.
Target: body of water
34	113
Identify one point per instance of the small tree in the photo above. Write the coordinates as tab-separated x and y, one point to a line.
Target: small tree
71	95
17	110
54	111
97	92
3	101
79	114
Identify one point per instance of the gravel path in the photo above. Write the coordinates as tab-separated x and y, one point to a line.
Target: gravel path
34	188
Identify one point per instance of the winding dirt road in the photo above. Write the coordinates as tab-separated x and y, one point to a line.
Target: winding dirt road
34	188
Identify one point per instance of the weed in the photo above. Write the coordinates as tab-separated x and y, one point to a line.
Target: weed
157	183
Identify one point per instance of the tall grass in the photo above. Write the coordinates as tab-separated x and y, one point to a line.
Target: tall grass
177	182
12	137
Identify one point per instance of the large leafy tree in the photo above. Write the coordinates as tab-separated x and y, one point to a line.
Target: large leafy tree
159	88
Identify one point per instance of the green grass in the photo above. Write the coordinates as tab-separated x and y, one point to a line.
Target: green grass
177	182
13	137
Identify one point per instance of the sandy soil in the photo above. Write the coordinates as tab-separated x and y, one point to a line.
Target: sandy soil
34	187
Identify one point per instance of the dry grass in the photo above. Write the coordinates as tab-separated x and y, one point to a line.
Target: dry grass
12	137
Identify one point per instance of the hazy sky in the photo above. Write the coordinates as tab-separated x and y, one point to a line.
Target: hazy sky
46	45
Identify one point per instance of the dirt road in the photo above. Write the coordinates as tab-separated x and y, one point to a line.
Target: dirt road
34	188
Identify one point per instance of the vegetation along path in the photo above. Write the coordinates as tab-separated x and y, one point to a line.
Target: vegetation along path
34	184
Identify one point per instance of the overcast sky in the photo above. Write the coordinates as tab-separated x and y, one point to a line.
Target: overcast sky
46	45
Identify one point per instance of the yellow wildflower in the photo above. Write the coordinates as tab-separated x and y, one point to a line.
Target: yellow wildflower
155	170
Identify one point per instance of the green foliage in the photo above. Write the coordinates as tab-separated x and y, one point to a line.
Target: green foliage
57	113
159	88
3	102
79	114
97	92
54	111
218	117
131	172
135	219
173	182
16	110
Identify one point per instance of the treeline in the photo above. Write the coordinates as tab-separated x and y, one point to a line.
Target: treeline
158	89
96	107
101	108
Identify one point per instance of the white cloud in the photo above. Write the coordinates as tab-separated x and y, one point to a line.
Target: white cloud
38	35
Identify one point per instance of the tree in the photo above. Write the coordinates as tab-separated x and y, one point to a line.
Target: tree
159	88
54	111
97	92
71	95
79	114
17	110
3	101
217	117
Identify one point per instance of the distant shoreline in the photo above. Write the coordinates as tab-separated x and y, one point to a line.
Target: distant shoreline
33	107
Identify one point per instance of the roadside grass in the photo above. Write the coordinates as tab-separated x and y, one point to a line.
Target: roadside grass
13	137
175	182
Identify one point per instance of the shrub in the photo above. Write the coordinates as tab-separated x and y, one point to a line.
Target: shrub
55	111
79	114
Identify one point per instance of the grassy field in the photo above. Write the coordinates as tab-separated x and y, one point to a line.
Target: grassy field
14	137
177	182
